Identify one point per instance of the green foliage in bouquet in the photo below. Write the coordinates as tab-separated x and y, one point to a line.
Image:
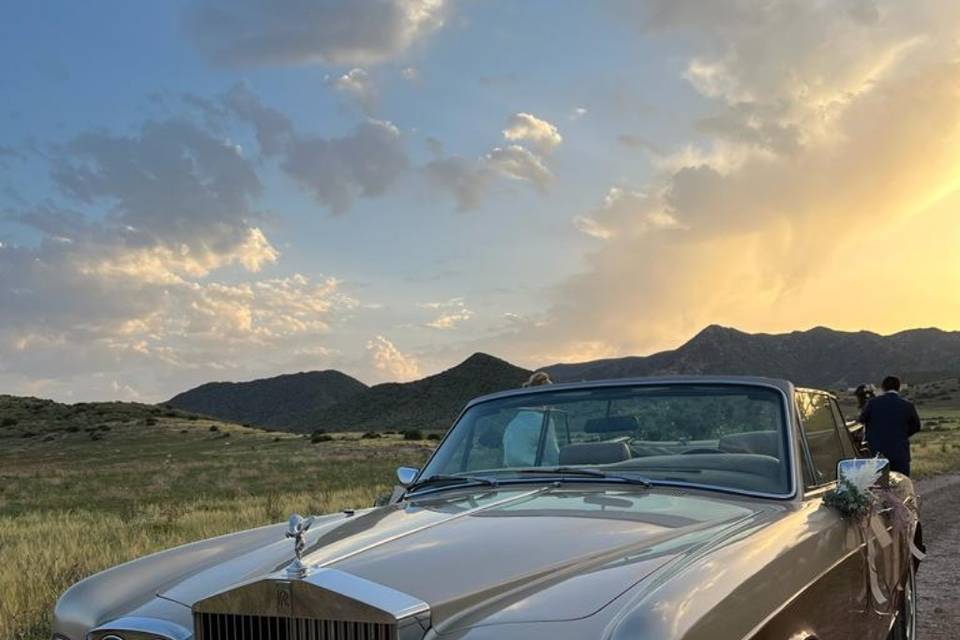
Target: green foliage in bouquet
849	500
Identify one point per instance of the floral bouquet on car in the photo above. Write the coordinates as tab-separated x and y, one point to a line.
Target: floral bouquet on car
863	493
856	495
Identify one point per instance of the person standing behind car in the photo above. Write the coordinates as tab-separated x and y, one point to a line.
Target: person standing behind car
864	394
889	422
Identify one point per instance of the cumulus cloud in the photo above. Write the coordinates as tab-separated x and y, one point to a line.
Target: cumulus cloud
125	276
519	163
591	227
824	125
452	312
468	180
268	32
357	85
98	305
524	127
171	182
274	130
335	170
471	180
392	363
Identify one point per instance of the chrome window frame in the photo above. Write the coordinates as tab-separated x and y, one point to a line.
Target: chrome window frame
788	409
817	490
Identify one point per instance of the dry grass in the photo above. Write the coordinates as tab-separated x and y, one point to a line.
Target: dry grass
72	506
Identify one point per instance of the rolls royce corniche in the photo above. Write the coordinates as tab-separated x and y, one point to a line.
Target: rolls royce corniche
672	508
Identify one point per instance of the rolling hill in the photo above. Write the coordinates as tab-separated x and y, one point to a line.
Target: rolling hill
28	417
819	357
279	402
431	403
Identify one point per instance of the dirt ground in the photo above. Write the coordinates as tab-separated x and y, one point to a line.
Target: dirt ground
938	581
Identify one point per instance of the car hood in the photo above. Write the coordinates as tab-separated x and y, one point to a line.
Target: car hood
509	554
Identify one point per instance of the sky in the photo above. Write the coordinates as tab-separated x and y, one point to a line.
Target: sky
227	190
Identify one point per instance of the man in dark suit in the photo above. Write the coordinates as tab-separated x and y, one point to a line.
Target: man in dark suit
890	421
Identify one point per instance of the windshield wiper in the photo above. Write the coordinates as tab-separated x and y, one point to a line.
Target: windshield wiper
589	473
456	480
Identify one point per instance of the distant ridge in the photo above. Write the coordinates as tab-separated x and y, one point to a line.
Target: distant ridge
819	357
334	401
430	403
279	402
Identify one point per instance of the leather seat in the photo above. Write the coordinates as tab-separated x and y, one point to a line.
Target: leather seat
589	453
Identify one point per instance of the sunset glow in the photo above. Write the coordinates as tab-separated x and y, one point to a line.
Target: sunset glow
543	181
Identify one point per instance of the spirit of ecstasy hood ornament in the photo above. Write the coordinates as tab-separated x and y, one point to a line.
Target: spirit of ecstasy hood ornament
296	529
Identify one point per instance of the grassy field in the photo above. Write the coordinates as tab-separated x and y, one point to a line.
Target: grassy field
74	501
936	449
84	487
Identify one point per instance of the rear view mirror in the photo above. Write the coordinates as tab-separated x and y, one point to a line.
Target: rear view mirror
406	475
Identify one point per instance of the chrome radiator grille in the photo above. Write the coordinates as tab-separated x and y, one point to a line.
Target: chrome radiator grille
221	626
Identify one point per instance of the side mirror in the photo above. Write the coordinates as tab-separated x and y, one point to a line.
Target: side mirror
864	472
406	475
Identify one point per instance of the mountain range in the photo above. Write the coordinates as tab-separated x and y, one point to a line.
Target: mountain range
282	401
333	401
819	357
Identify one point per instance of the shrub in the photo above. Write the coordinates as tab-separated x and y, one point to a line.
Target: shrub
192	418
214	427
370	435
72	428
433	436
8	422
413	434
317	432
319	437
150	421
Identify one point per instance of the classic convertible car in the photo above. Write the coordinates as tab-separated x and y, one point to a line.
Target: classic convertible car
648	509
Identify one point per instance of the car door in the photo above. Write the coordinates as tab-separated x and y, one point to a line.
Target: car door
845	585
890	560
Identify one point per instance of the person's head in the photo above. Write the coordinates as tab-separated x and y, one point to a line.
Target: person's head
862	394
890	383
537	379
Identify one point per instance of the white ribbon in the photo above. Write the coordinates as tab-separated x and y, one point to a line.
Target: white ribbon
882	538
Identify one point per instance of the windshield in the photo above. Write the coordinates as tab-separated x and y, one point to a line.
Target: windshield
722	436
